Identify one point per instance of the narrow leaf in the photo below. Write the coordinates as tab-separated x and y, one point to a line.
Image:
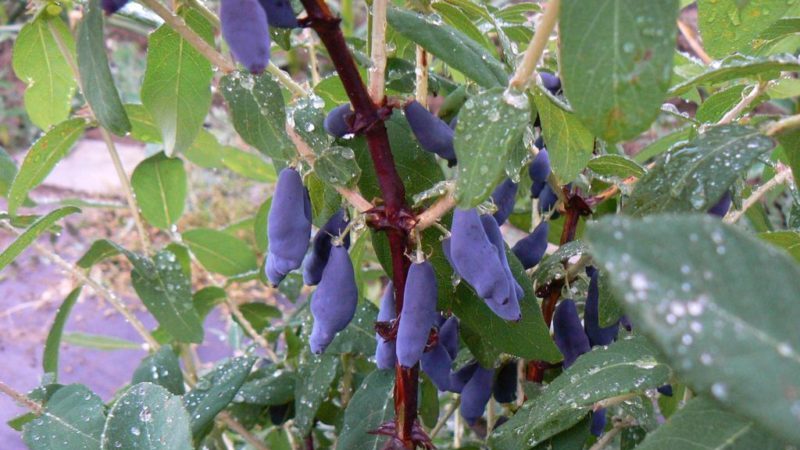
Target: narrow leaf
213	392
728	26
371	406
220	252
315	378
53	342
616	166
739	66
29	235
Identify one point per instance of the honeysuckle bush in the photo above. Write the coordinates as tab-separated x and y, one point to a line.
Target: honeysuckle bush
579	218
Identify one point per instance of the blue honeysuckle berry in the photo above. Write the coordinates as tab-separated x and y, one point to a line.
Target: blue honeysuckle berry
475	394
289	226
568	332
385	353
245	29
280	13
336	123
598	422
722	206
315	260
504	197
591	315
333	304
433	134
531	249
418	315
505	383
436	363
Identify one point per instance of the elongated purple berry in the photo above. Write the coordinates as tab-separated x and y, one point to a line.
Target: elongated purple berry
280	13
503	197
245	29
289	226
433	134
476	259
551	82
459	378
538	171
419	313
531	248
315	261
448	336
475	395
496	238
591	315
436	363
598	422
665	390
626	323
385	356
722	206
337	122
334	302
547	199
505	383
112	6
568	333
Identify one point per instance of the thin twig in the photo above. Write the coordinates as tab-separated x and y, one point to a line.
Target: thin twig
248	327
606	438
352	197
205	12
97	287
251	439
783	176
21	398
195	40
312	57
606	402
421	72
437	210
378	53
734	112
783	125
533	54
695	45
443	420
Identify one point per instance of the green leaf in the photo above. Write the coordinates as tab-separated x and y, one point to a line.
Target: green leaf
359	336
29	235
99	342
308	116
616	166
311	389
337	166
728	26
100	250
617	88
215	391
256	107
662	144
206	151
371	406
98	84
249	165
630	363
220	252
8	170
176	88
73	418
38	62
738	66
161	368
260	225
710	309
702	425
787	240
552	265
206	299
166	291
143	127
695	176
790	141
717	105
276	387
41	158
490	124
569	143
159	183
456	18
259	314
53	342
147	417
452	46
609	310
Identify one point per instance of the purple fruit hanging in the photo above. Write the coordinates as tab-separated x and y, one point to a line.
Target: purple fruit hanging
333	304
418	315
289	226
245	29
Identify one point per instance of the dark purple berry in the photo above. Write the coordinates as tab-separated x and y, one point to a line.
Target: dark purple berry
538	171
626	323
665	390
432	133
289	226
436	363
475	395
503	197
547	199
530	249
448	336
419	313
245	29
598	422
591	315
112	6
334	302
505	384
476	260
385	356
551	82
280	13
568	332
278	414
539	142
315	261
459	378
496	238
722	206
337	122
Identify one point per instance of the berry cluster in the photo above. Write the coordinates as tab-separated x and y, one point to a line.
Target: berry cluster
245	27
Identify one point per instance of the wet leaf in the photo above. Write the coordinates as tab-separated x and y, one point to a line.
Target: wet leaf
371	406
215	391
73	418
27	237
160	186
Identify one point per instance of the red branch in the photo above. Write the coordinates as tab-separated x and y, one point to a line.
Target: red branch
369	121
